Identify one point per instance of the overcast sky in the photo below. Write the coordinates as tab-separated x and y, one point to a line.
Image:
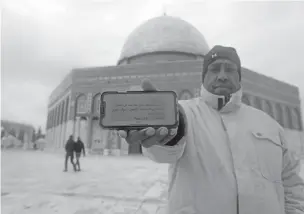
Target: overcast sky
42	40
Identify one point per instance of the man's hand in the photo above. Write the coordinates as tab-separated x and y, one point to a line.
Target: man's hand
149	136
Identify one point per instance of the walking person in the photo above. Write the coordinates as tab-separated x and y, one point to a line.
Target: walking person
78	148
225	156
69	153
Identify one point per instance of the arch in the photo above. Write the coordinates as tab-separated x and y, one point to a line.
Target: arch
279	114
48	120
268	108
289	118
95	118
53	117
96	103
62	111
245	99
293	118
185	95
57	115
81	104
66	110
83	118
297	115
257	103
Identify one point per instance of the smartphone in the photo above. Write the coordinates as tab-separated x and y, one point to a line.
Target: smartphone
138	110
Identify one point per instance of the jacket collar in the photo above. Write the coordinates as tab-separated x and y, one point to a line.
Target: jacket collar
212	100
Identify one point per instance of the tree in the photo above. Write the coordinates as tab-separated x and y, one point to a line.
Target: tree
21	136
34	136
39	133
13	132
2	133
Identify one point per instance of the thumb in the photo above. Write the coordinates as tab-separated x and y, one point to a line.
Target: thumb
147	85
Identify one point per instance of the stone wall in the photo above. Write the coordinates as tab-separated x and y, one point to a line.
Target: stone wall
295	141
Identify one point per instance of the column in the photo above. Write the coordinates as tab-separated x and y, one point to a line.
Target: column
83	130
74	126
106	142
124	148
77	127
89	133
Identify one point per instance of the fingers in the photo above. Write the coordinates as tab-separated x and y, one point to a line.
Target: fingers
149	136
173	132
147	85
157	139
135	136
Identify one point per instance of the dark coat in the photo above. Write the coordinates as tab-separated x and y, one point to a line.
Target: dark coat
79	147
69	146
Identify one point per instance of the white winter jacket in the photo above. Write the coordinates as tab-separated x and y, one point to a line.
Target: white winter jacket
233	161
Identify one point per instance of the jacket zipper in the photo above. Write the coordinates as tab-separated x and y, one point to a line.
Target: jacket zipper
233	166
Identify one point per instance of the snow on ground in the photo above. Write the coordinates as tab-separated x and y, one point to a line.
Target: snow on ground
34	182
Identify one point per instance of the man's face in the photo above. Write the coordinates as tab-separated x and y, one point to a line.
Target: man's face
222	77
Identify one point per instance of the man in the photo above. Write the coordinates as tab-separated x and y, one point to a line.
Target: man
78	148
69	149
224	156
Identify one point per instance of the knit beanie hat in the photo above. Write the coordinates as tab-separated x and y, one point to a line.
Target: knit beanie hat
221	52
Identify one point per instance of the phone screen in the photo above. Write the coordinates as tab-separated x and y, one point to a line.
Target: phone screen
139	109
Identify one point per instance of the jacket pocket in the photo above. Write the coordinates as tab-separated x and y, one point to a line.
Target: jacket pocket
269	152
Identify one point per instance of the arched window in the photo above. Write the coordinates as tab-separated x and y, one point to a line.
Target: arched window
279	114
83	118
62	111
96	104
294	119
53	117
257	103
245	99
289	118
81	104
48	121
66	111
297	115
57	115
267	108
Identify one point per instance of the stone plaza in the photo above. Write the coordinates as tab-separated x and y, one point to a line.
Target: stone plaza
33	183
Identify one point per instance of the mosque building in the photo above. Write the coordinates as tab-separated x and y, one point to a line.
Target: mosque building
170	52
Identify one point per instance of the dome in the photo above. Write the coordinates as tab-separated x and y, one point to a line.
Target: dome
164	34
